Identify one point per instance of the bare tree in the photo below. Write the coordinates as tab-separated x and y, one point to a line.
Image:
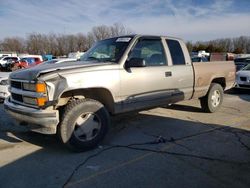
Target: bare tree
101	32
81	42
61	41
61	44
90	40
189	46
36	43
236	45
118	29
241	44
15	44
51	47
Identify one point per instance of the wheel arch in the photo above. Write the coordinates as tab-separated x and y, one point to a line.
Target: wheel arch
221	81
100	94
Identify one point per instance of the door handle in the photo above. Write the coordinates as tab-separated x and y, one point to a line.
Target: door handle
168	74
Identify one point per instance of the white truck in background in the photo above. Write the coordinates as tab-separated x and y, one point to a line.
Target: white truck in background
4	54
75	55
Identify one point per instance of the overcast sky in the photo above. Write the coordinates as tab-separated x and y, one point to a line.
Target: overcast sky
188	19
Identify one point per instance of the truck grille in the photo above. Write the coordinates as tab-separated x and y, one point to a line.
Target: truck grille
28	93
246	86
16	84
19	94
244	79
17	97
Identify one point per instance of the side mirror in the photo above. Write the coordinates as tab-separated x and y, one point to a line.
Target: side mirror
136	62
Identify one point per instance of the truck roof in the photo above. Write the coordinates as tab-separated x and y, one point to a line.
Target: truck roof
142	35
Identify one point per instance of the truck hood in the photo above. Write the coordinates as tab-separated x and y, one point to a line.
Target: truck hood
243	73
34	72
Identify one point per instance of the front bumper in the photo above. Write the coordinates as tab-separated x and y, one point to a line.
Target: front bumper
242	84
38	120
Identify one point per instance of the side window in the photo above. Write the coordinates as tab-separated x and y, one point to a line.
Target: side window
151	50
176	52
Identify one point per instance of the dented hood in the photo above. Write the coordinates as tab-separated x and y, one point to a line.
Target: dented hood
34	72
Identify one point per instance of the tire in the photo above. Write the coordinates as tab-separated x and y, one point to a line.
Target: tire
213	100
1	67
84	123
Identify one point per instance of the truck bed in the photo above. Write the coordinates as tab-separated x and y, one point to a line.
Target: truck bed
205	73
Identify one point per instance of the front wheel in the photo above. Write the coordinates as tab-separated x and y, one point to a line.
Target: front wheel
84	124
213	100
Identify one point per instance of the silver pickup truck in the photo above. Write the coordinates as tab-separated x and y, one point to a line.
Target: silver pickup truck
117	75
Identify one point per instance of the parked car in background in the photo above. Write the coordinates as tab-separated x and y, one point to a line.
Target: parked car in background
4	54
55	61
29	55
240	63
199	59
6	60
243	78
27	62
201	53
75	55
48	57
4	85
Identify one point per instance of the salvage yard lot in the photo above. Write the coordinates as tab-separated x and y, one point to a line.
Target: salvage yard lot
175	146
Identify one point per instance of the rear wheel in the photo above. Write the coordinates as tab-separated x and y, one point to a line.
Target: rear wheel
84	124
213	100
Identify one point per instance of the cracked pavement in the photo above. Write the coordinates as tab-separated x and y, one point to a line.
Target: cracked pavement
173	146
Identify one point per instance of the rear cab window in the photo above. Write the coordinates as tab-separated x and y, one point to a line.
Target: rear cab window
176	52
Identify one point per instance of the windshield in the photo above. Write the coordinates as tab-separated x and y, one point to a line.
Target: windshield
247	68
242	60
107	50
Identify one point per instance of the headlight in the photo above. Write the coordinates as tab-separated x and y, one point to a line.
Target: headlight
38	87
35	101
4	82
30	100
29	87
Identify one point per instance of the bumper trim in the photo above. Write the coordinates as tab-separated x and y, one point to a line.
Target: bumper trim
242	86
38	120
37	115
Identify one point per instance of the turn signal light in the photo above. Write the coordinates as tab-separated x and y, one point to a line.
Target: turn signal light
41	101
41	87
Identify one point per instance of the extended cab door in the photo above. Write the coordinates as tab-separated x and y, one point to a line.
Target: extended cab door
154	83
181	66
